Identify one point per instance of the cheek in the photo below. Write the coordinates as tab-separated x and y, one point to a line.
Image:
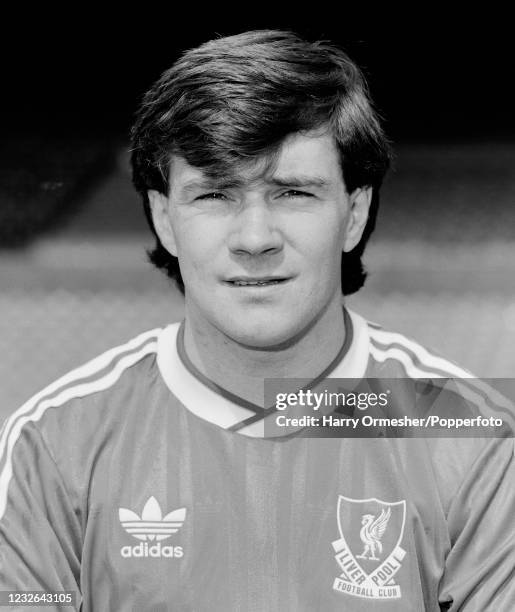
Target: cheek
324	247
197	249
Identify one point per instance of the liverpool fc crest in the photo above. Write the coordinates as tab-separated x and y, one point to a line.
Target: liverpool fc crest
368	550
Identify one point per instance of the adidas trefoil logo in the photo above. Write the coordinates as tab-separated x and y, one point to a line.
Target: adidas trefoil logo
152	526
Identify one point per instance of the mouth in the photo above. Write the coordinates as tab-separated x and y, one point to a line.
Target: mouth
267	281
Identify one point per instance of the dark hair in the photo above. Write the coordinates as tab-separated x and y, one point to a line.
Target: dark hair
236	98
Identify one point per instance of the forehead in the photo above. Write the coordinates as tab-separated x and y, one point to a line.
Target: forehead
300	155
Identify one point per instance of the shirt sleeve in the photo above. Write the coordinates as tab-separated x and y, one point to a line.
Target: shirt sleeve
480	567
40	533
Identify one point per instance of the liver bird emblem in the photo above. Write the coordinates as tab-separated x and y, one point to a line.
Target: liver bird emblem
371	532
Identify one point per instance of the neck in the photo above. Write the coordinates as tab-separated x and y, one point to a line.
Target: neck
242	369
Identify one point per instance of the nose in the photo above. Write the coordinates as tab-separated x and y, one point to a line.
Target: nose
254	231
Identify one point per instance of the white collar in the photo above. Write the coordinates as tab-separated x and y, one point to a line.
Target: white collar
217	408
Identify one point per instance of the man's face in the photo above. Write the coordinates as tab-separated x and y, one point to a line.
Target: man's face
260	256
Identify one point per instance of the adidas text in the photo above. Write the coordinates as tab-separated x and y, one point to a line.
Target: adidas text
155	550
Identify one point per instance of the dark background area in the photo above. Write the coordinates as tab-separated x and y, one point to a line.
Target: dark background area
432	77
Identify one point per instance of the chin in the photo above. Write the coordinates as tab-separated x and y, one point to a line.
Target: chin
263	335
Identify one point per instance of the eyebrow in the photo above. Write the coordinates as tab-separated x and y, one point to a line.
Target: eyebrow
298	180
210	185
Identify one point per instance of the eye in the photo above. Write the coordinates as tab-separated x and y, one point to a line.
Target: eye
214	195
295	193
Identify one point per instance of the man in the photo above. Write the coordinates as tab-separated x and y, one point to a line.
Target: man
148	479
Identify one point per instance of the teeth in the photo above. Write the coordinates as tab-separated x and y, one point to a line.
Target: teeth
255	283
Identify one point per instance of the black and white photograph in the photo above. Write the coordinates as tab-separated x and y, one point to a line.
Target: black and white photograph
257	314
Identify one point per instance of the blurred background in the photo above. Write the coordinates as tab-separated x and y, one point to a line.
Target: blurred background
74	278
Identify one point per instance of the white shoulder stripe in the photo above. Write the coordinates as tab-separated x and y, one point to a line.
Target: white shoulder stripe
90	368
80	390
430	361
466	389
404	358
426	358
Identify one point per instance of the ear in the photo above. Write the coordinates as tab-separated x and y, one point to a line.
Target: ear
160	209
360	200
